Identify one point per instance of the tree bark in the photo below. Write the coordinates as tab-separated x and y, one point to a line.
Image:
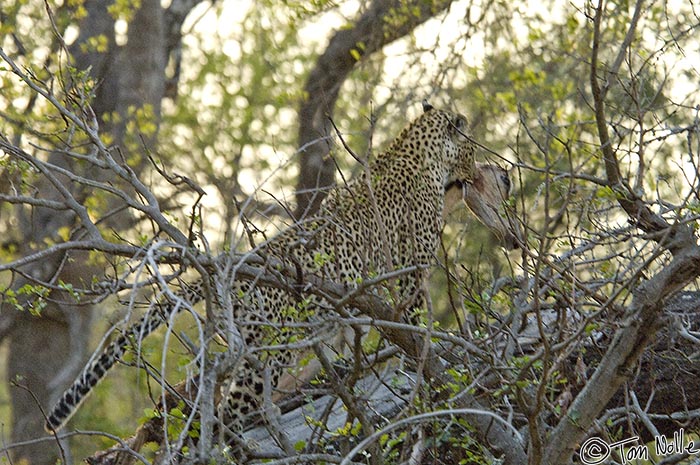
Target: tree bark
637	331
643	317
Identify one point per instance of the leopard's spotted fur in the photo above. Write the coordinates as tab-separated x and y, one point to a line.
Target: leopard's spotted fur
389	218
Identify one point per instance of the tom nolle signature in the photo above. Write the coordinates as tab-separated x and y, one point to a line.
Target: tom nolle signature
595	450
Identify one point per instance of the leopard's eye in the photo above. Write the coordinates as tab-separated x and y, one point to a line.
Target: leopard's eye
460	123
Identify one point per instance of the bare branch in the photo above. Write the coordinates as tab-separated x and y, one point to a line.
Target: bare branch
639	213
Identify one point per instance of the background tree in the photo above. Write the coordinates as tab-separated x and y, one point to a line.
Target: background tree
593	104
124	84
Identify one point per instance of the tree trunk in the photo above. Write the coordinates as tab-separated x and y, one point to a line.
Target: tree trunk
46	352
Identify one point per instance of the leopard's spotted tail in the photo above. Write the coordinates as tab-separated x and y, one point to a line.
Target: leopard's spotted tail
96	370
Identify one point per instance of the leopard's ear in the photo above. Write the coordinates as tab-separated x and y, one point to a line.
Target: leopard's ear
427	106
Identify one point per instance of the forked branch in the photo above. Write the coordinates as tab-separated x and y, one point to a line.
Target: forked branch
672	237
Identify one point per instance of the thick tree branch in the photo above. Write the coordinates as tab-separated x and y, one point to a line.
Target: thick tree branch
672	237
643	317
382	23
638	329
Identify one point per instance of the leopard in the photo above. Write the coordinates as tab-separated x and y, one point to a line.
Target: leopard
386	220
